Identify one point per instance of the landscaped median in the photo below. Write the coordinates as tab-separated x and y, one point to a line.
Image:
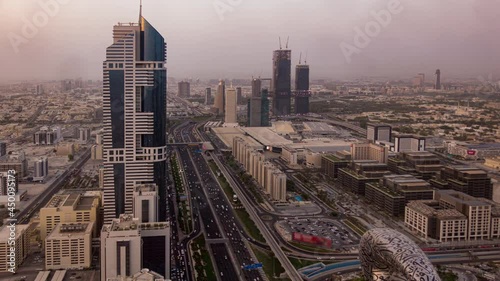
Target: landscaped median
241	213
203	264
184	217
270	264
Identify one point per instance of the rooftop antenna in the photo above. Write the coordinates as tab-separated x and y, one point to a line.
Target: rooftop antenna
280	42
305	61
287	42
140	9
300	58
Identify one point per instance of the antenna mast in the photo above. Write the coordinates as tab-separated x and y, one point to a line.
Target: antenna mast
305	61
287	42
140	9
279	38
300	58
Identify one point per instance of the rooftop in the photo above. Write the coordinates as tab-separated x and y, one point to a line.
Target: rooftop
74	230
75	200
433	208
457	197
266	136
5	232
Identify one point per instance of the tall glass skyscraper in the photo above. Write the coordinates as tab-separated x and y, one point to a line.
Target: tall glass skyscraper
281	82
302	89
134	113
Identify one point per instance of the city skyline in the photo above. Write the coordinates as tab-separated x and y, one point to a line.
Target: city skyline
282	174
458	43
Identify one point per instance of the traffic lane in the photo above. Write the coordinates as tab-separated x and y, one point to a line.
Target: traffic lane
207	216
232	230
225	268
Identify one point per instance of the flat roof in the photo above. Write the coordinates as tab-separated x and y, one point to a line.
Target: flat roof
74	230
5	232
86	203
227	134
283	127
322	145
266	136
433	208
319	127
460	197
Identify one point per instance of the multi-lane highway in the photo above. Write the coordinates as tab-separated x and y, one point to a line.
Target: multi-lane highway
223	232
37	203
275	247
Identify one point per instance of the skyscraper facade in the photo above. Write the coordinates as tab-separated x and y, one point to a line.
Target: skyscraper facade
230	106
438	80
302	89
281	82
256	87
184	89
264	107
239	96
208	96
219	102
41	169
134	108
254	112
258	110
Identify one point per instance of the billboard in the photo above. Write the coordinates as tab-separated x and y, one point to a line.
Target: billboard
471	152
311	239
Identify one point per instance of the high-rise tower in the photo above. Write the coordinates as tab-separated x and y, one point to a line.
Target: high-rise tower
134	110
184	89
239	96
281	82
230	106
219	102
208	96
438	79
302	89
256	87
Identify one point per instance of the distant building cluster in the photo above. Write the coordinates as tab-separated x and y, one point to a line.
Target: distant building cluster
469	180
472	151
392	192
454	216
271	178
41	169
15	161
70	84
47	136
369	151
83	135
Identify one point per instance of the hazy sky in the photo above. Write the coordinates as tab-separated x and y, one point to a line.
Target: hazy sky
460	37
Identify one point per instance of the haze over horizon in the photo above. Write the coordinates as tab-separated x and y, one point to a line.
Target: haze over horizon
458	37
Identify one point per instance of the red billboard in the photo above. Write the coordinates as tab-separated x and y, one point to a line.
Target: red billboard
471	152
311	239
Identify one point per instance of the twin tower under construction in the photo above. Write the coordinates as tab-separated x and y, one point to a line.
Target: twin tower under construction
281	90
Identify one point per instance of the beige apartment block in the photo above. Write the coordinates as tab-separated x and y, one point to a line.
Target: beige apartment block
20	246
69	246
69	208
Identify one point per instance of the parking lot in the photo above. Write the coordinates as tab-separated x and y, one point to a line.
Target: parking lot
341	236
